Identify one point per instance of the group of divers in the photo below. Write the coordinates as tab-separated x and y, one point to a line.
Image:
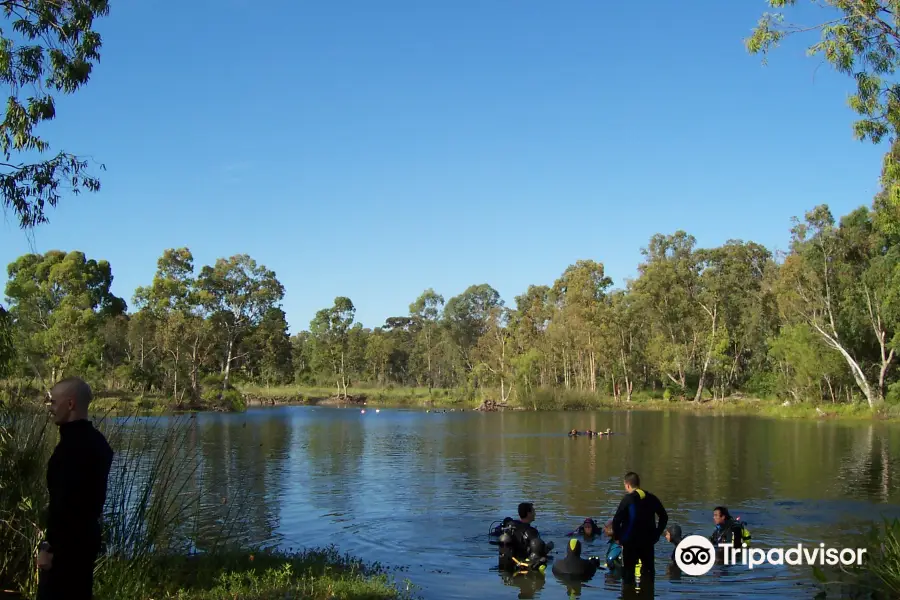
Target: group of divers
523	552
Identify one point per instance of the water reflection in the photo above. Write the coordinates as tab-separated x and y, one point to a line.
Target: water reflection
418	489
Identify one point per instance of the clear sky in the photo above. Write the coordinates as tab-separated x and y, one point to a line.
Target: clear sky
375	149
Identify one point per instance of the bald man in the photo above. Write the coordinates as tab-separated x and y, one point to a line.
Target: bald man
76	481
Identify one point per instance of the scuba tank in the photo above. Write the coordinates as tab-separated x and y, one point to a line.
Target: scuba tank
506	559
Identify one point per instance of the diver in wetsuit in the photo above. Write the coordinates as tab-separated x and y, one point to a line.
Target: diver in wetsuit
588	529
728	530
573	565
520	540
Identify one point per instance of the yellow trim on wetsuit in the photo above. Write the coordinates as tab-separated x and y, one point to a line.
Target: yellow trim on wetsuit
641	493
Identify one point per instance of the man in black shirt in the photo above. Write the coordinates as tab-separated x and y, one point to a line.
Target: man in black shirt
76	481
635	529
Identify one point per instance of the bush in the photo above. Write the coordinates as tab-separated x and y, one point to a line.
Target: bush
879	576
893	393
213	395
762	385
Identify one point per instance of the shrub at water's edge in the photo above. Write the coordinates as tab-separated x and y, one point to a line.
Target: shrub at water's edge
878	578
244	396
161	538
249	575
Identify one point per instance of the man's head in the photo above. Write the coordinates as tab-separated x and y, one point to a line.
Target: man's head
526	512
69	400
632	481
574	547
720	515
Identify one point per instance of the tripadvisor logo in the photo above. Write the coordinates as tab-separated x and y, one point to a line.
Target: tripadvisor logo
696	555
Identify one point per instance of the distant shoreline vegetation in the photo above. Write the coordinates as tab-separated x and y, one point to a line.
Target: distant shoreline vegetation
818	327
539	400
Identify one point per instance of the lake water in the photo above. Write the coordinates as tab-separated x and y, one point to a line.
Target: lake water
418	490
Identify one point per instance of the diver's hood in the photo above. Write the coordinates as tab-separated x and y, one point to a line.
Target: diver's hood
574	548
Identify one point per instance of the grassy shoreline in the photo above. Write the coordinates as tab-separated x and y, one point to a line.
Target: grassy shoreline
316	574
563	400
541	400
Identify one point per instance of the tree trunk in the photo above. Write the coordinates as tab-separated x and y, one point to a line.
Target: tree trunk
714	313
343	377
228	363
872	397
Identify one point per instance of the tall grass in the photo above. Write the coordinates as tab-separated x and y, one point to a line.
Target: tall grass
25	447
168	532
878	578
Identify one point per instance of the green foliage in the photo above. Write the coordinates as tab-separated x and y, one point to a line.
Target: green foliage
859	39
58	302
53	49
25	447
878	578
317	574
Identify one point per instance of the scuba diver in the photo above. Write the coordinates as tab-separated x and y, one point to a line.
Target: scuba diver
589	433
674	537
728	530
588	529
521	543
573	565
513	560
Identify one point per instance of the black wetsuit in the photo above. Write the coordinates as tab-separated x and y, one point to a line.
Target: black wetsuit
76	481
635	528
573	566
523	533
728	532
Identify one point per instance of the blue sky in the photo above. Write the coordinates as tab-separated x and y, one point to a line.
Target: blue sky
375	149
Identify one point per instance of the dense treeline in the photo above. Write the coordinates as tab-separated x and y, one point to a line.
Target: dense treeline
819	324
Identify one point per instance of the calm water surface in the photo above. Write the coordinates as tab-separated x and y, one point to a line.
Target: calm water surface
419	490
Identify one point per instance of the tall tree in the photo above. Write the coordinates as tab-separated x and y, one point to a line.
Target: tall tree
269	346
237	292
57	302
468	316
667	291
581	292
832	283
426	311
330	330
172	300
